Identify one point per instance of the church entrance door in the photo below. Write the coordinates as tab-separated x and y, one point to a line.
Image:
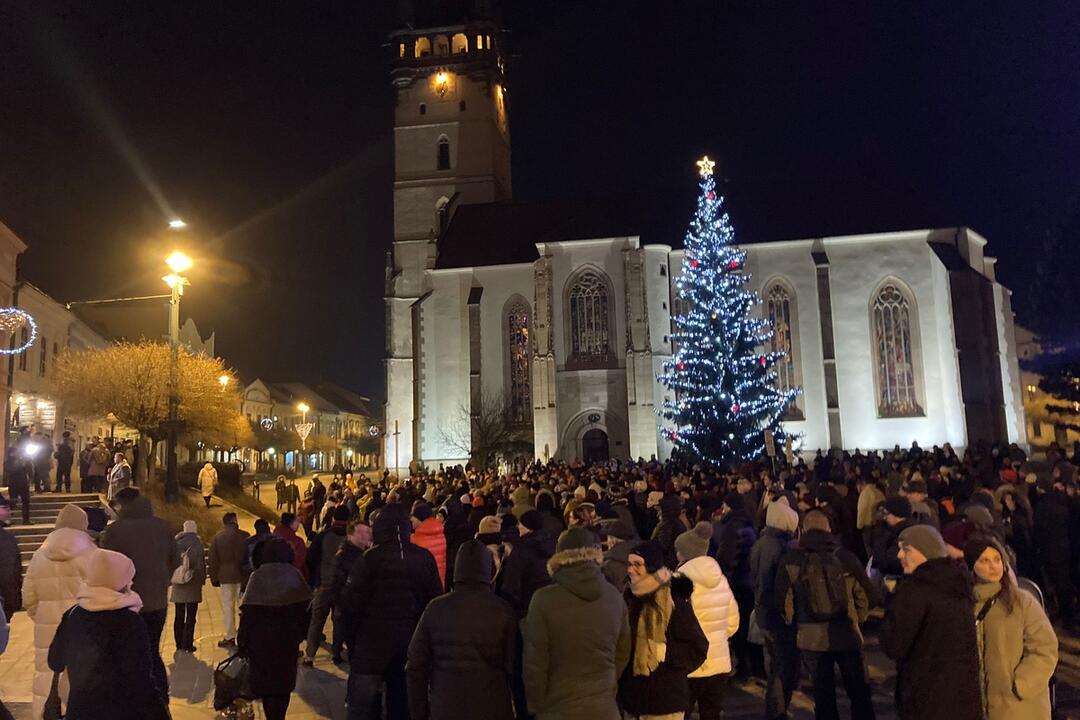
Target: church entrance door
594	446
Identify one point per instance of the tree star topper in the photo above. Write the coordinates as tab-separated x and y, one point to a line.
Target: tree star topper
705	165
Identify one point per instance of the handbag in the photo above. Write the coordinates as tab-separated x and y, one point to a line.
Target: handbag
231	681
183	573
52	709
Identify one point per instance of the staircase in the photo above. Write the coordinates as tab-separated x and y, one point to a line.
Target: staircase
44	507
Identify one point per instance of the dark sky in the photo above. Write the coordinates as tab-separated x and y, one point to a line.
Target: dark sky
267	126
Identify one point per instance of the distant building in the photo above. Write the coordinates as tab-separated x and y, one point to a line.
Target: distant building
1042	427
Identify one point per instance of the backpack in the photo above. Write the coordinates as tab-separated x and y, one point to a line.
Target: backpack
183	574
822	579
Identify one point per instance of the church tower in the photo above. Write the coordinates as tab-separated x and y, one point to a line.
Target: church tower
451	147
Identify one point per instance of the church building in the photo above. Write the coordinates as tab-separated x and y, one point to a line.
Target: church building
558	314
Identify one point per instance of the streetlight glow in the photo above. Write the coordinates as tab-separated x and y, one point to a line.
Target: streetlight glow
271	450
177	224
303	407
178	262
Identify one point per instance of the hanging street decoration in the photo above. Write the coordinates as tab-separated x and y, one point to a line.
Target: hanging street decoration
12	320
725	396
267	423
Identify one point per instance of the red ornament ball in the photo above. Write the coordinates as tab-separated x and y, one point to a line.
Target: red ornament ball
711	195
682	366
762	360
735	408
693	263
734	264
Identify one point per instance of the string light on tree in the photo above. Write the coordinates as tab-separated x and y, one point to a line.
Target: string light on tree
724	386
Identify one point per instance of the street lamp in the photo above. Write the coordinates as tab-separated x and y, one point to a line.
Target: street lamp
303	429
178	262
223	380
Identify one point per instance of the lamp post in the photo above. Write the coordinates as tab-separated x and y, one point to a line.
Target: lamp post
178	262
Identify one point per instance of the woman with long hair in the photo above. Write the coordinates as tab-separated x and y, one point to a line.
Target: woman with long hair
1018	649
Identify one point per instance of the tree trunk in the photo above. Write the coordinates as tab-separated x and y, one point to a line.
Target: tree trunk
142	470
151	459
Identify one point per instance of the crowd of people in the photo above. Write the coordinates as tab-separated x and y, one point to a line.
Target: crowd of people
620	589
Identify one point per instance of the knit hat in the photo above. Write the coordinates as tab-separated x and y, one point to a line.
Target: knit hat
109	569
694	542
652	553
465	499
618	528
341	514
978	515
490	524
898	506
478	501
508	527
915	486
422	511
576	538
670	505
734	500
533	520
191	527
580	492
72	516
926	539
653	499
779	515
976	547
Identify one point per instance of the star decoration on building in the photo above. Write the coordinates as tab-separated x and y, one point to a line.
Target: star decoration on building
705	165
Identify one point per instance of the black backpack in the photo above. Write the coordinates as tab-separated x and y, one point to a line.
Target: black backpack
822	579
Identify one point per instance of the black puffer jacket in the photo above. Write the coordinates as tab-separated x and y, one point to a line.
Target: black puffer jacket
462	653
525	571
930	632
387	591
734	537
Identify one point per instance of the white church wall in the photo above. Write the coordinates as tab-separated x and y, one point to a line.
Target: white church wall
1011	382
948	358
500	284
583	393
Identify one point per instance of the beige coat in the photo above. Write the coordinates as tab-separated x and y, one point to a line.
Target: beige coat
208	480
1019	652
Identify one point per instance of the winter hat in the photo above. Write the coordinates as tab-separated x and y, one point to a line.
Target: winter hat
640	486
976	547
490	524
465	499
72	516
422	512
576	538
618	528
191	527
694	542
744	483
898	506
508	527
580	492
779	515
533	520
926	539
341	514
520	496
978	515
915	486
734	500
109	569
652	553
670	505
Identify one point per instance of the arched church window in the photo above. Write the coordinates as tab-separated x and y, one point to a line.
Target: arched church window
422	48
518	357
780	305
588	304
459	43
895	352
442	45
444	153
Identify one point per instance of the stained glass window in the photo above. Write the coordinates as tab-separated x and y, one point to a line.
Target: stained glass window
517	327
779	303
590	324
894	354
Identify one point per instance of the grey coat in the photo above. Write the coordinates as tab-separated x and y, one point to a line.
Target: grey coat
190	592
149	542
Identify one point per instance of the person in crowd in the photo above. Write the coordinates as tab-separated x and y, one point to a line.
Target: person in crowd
17	473
525	570
149	542
897	518
490	534
734	537
428	533
622	537
781	649
671	525
386	593
286	530
65	457
463	651
41	462
99	462
292	497
870	499
666	641
104	648
576	636
718	615
1018	650
318	499
320	562
262	534
5	634
10	563
273	619
281	488
1054	520
357	541
825	593
306	514
929	630
186	589
924	510
208	480
52	581
228	553
119	476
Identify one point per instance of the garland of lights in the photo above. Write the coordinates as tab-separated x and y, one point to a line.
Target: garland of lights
12	319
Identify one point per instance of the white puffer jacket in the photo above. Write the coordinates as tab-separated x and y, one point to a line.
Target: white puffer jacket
716	612
52	581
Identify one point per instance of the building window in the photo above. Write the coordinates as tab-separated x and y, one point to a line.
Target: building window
487	42
588	304
461	106
43	357
423	108
780	306
1036	428
444	153
401	50
894	353
459	44
517	328
663	271
423	47
479	42
24	335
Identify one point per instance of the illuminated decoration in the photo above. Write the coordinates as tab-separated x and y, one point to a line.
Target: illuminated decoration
12	320
726	394
267	423
442	83
373	431
517	327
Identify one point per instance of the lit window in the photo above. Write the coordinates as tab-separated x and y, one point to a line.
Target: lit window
444	153
894	353
401	49
479	42
779	305
487	42
459	44
423	47
590	322
517	328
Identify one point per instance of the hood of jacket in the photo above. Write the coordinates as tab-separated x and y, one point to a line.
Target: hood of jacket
818	541
703	571
542	541
392	525
65	543
946	575
474	564
137	509
580	577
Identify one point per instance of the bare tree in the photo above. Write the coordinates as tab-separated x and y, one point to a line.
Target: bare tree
485	432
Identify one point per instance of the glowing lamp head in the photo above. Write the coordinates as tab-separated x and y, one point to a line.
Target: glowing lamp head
271	451
178	262
442	82
177	224
302	407
223	380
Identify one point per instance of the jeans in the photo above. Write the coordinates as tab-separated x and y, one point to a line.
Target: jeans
321	605
184	625
275	706
708	694
155	623
362	694
781	671
853	672
230	593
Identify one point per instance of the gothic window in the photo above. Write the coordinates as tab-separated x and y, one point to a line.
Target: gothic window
588	304
479	42
894	352
423	47
780	306
444	153
518	329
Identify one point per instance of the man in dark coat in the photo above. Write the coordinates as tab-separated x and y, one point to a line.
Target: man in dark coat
321	557
525	570
671	526
10	564
456	529
65	457
929	630
318	498
386	593
1051	529
734	537
462	655
897	519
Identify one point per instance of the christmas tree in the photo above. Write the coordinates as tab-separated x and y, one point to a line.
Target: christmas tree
722	377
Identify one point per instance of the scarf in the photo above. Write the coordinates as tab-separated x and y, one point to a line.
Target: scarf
650	634
96	598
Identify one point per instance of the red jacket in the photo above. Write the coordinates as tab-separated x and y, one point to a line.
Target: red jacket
430	536
299	549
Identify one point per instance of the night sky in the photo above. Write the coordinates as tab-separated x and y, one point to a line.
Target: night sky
267	126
